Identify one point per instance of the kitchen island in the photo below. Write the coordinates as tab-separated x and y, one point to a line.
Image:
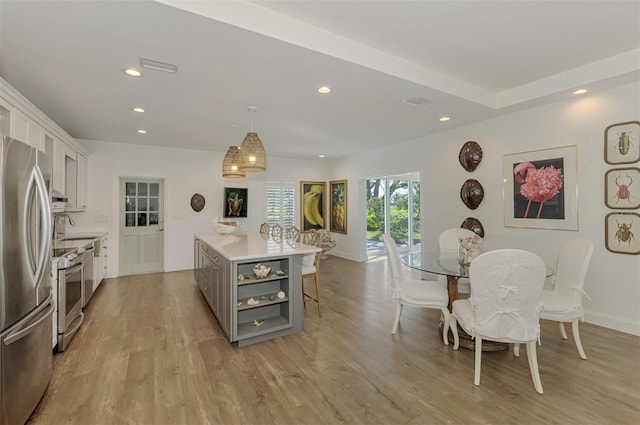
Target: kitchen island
251	308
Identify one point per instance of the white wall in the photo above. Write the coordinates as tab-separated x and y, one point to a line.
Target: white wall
613	280
185	172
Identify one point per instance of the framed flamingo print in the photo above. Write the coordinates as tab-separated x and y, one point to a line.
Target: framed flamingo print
540	189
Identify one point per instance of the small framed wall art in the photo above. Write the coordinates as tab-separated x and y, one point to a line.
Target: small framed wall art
338	219
620	232
622	143
313	202
235	201
622	188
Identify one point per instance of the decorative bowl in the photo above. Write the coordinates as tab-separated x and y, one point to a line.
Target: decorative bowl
261	271
225	228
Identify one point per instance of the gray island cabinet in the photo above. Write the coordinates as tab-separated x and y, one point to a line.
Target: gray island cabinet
248	308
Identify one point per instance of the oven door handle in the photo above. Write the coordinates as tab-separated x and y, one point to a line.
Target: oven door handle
24	332
75	328
73	269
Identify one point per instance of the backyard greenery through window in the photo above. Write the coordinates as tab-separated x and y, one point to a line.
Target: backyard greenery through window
393	206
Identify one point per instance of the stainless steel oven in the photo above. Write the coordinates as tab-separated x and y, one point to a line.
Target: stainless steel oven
70	296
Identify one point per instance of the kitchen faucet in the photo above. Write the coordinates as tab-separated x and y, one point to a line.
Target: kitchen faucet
59	220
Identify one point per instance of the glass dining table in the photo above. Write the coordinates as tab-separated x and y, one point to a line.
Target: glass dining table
448	265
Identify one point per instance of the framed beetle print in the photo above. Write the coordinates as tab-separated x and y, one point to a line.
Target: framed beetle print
622	143
621	232
622	188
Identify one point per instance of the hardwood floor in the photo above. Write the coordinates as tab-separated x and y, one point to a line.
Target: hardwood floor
151	352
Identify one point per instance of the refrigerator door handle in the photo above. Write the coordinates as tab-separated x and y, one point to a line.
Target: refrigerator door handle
10	339
44	254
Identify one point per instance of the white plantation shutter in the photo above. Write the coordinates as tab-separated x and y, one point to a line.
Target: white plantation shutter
281	204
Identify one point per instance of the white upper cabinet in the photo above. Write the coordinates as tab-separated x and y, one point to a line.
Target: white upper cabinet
82	180
59	168
19	126
5	117
22	120
36	136
76	176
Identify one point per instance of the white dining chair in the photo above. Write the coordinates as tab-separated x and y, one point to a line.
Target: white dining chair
448	244
564	302
504	306
414	292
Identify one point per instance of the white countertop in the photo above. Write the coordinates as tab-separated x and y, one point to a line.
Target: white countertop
79	241
247	247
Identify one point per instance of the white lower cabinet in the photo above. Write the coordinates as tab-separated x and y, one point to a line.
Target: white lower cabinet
100	262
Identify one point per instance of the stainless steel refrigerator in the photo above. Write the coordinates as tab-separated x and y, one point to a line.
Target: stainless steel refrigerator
26	303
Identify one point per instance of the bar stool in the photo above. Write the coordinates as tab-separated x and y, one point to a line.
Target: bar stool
310	267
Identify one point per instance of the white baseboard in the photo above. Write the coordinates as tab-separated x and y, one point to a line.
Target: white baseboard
346	256
612	322
178	268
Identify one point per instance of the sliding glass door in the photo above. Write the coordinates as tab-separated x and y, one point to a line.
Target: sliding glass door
393	206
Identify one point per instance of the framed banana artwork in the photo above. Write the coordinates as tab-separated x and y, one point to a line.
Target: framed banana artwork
312	206
338	206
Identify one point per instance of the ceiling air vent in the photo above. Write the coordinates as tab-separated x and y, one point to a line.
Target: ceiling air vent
158	66
416	101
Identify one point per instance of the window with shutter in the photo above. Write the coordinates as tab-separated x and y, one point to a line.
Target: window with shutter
281	204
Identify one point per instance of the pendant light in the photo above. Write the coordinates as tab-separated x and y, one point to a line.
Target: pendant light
233	160
254	157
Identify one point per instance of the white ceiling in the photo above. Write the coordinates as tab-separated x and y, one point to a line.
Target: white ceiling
471	60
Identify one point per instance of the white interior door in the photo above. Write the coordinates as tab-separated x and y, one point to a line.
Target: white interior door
141	226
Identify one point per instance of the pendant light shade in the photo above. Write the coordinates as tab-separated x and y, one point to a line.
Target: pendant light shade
233	161
254	157
231	164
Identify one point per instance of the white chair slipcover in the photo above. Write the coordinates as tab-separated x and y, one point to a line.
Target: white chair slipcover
504	305
448	244
564	302
413	292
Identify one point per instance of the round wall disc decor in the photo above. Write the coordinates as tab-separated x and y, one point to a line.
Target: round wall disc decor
472	193
197	202
473	224
470	155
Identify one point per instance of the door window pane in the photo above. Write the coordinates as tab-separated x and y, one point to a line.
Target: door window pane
153	204
154	189
130	220
130	204
153	218
142	204
131	189
142	219
143	189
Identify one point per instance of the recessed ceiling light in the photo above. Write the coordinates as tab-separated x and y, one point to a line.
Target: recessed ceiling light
321	156
581	91
138	109
445	118
132	72
324	90
142	131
